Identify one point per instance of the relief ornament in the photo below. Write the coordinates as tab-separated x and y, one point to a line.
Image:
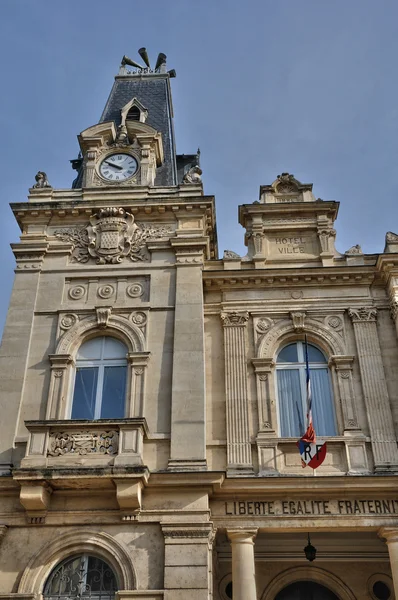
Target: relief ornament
110	237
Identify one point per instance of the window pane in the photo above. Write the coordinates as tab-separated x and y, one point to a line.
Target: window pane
290	403
114	393
114	349
83	406
288	354
322	404
100	577
90	350
315	355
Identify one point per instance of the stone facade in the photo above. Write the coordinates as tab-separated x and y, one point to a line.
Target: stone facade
196	485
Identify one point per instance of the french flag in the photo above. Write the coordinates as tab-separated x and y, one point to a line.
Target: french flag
309	435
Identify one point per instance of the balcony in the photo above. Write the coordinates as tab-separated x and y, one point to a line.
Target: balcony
82	443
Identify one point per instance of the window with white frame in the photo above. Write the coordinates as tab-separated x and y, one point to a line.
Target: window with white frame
99	390
81	577
292	391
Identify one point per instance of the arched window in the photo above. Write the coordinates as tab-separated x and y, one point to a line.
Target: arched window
134	114
81	577
292	394
100	380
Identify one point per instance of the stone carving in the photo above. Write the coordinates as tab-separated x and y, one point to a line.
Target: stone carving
103	316
135	290
83	442
111	236
298	319
122	138
230	254
68	320
354	250
194	175
296	294
263	325
335	322
287	184
391	238
77	292
106	291
394	309
344	374
362	314
41	180
139	318
234	319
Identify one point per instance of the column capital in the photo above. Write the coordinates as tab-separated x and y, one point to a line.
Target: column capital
389	534
242	536
365	314
234	319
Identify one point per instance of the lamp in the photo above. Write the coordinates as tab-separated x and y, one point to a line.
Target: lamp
310	550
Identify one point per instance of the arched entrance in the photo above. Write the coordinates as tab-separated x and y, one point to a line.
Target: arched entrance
306	590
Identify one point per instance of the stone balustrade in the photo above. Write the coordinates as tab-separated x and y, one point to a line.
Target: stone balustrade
96	443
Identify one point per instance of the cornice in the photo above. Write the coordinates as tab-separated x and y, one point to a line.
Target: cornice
330	207
302	276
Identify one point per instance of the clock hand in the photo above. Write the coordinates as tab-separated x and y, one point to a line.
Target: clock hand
113	165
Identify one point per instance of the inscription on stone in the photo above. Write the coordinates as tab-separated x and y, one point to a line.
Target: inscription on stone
297	508
290	245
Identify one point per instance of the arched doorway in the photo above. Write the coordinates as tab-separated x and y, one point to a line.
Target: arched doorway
306	590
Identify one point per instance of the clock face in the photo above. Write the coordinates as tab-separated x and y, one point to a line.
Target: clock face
118	167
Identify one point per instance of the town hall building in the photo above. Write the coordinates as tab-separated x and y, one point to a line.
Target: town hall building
153	392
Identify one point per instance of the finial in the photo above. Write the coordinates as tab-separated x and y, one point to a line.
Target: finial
41	180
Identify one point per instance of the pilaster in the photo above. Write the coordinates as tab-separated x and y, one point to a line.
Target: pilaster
390	535
239	458
188	561
188	419
381	424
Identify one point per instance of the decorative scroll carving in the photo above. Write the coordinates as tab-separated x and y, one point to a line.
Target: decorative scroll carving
194	175
103	316
83	442
228	254
234	319
110	237
41	180
363	314
298	319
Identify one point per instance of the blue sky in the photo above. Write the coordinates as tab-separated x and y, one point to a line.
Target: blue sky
262	86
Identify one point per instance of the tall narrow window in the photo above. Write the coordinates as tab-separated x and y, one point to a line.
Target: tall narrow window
292	395
100	380
81	577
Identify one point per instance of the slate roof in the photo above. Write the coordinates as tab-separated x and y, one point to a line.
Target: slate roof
153	93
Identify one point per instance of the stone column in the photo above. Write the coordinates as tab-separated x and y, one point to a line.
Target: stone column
188	561
390	534
243	570
188	421
239	455
377	402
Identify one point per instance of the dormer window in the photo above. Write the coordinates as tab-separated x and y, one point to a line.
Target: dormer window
133	111
134	114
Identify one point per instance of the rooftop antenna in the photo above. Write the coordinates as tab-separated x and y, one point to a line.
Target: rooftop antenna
144	55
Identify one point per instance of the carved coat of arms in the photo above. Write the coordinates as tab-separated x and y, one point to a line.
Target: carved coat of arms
111	236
